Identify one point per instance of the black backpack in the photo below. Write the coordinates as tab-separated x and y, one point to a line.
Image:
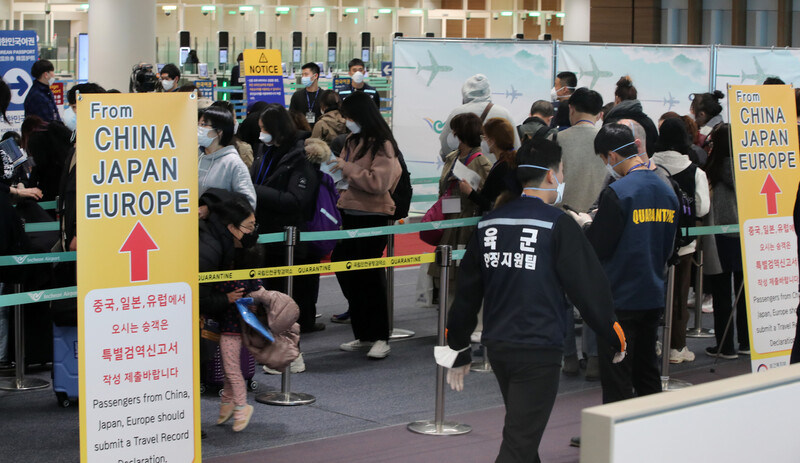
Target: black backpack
403	192
684	186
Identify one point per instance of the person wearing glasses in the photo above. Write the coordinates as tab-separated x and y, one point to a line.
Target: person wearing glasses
219	164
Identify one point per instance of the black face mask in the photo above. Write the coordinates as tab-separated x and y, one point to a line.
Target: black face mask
249	240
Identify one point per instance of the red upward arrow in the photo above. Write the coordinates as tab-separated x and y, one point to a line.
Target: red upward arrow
139	244
771	189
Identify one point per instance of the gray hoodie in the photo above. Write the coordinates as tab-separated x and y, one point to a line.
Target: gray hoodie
225	169
675	163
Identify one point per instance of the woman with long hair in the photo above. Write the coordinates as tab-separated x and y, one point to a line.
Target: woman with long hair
727	282
286	184
370	166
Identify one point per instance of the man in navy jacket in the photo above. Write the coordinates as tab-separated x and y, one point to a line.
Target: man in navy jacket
40	101
521	260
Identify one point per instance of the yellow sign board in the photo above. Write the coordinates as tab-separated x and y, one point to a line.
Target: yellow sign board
764	145
137	241
262	63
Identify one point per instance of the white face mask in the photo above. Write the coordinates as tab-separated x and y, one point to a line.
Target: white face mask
51	81
485	148
70	119
353	126
167	84
559	185
358	77
553	94
265	138
202	137
235	126
452	141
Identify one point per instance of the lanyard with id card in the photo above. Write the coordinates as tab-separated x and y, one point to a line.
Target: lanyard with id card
311	117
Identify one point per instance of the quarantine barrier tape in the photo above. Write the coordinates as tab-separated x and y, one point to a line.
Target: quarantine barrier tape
314	269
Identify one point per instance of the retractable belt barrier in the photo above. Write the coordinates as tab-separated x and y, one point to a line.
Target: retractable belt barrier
276	272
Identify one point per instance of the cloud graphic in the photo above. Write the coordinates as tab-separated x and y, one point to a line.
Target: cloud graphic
537	64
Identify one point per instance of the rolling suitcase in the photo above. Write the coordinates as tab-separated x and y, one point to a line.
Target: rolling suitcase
65	364
214	374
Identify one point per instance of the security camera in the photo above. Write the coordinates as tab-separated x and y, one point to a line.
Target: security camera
167	12
311	14
241	13
496	17
344	15
205	13
277	14
376	16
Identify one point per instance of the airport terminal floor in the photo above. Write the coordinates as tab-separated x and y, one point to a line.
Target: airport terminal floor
362	406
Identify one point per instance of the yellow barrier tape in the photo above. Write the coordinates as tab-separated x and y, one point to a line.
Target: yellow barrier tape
312	269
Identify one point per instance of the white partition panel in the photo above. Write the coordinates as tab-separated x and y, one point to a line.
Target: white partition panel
750	66
664	76
427	80
748	418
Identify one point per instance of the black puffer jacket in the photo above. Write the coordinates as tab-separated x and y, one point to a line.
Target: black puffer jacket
286	186
216	253
632	109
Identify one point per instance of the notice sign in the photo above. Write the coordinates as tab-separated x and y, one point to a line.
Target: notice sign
765	163
137	277
263	76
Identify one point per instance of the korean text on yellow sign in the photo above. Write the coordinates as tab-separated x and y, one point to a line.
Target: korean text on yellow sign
137	244
764	146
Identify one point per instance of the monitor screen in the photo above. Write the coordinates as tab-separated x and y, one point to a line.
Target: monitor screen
184	55
365	55
296	55
223	56
331	55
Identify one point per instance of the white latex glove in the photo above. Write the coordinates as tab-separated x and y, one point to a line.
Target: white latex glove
455	377
619	356
581	218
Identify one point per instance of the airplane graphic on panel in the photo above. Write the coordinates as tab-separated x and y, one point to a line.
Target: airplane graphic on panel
595	73
670	101
434	68
513	94
758	76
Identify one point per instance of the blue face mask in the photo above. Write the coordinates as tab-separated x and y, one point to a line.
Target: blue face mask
306	81
559	188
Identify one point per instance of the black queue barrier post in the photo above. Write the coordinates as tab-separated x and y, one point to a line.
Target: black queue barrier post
394	333
20	382
286	397
667	383
698	331
439	427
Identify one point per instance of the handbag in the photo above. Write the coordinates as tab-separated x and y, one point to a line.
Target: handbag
436	214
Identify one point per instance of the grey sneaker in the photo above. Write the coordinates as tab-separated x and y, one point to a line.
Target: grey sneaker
355	346
571	366
379	350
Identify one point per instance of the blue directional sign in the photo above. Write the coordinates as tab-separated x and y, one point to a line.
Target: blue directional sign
18	52
386	69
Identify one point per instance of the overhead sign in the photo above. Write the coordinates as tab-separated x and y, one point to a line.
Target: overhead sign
137	277
263	73
764	143
18	52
